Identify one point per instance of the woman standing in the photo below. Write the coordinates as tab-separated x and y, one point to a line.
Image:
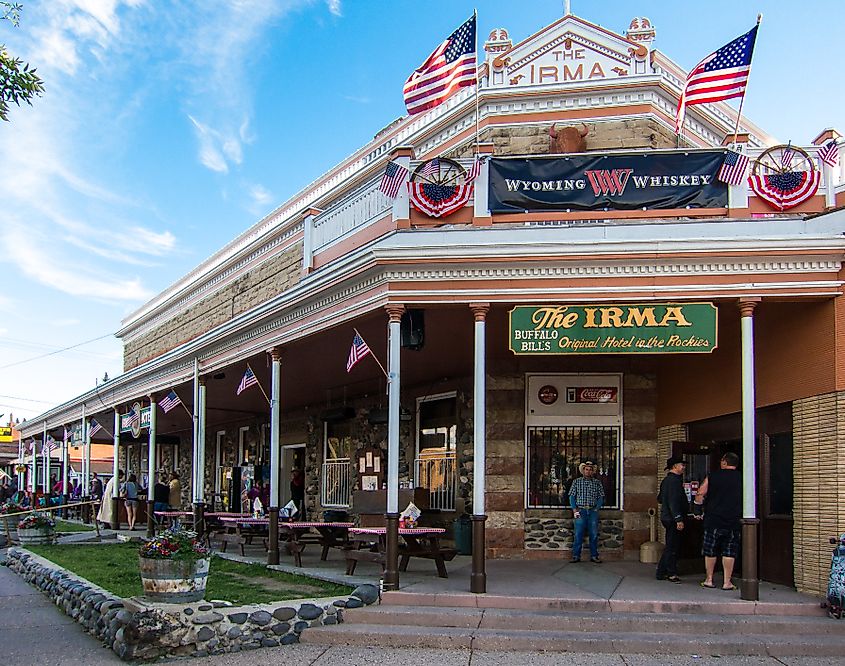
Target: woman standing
129	492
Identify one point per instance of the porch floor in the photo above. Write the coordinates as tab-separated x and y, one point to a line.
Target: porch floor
548	584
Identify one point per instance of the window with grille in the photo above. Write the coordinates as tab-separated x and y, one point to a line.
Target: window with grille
436	443
554	453
336	487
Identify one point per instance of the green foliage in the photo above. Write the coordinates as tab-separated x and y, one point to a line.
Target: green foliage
18	81
115	568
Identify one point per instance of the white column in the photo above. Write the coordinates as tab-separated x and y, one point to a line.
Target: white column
151	453
394	385
479	410
199	492
45	469
749	479
481	205
21	462
195	447
115	447
402	202
64	462
33	482
275	452
86	428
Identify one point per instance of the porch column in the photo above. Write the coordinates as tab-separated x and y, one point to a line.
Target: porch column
86	481
749	583
115	490
86	451
151	466
391	564
478	578
275	379
21	463
64	469
45	465
199	460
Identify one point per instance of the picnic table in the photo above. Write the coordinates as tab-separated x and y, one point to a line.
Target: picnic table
331	535
174	516
241	530
418	542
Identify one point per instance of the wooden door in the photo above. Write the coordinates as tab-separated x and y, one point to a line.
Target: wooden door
700	460
774	506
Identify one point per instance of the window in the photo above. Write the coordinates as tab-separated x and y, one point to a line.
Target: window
554	454
336	488
437	419
779	467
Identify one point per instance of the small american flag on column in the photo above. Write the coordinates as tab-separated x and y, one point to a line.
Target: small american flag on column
391	181
170	401
829	153
249	379
474	170
733	168
358	351
133	417
94	428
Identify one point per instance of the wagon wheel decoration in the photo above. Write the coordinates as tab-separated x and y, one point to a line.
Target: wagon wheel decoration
440	187
784	176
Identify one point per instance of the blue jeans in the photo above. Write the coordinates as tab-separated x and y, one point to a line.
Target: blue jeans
588	521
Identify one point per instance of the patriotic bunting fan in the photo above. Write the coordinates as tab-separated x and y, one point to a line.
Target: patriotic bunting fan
784	177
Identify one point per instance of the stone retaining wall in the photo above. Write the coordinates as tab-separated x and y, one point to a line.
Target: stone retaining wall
556	533
136	630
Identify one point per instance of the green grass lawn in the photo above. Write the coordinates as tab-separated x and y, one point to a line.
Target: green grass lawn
115	568
66	527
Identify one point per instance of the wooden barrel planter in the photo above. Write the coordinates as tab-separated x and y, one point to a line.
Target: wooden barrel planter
9	524
174	581
35	536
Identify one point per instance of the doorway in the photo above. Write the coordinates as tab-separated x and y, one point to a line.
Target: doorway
293	457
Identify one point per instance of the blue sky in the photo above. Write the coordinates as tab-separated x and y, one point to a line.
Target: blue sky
170	127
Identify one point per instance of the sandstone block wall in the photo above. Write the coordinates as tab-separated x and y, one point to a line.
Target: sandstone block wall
260	284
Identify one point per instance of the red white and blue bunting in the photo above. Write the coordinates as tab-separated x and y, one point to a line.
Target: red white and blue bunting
785	190
439	200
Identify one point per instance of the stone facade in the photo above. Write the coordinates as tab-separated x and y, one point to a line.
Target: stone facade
633	133
267	280
819	502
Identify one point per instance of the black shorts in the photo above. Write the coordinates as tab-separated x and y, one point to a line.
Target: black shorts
720	542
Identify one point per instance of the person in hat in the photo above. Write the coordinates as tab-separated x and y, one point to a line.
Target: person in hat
721	495
586	497
673	508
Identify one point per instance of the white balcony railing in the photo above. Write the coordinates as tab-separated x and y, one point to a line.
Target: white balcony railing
359	209
438	474
336	487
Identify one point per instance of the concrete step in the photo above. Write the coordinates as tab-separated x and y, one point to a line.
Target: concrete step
449	638
718	606
700	624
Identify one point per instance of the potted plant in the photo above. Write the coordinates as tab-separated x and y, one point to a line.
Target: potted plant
9	523
36	529
174	566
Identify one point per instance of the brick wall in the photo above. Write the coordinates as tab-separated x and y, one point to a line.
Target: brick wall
260	284
819	494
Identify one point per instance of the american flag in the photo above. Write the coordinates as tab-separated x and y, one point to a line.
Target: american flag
786	158
451	66
134	417
391	181
170	401
249	379
733	168
358	351
721	75
51	444
829	153
94	428
430	168
474	170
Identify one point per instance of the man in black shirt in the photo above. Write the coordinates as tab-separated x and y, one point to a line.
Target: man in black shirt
673	509
722	519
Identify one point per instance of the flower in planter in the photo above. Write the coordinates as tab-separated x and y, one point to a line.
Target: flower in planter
174	544
36	520
10	507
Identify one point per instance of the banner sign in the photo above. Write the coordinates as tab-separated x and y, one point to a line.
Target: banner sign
136	425
652	328
590	181
5	435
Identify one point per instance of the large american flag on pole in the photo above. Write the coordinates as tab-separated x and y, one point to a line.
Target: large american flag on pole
721	75
451	66
358	351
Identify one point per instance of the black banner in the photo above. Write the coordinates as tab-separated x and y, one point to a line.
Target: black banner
614	182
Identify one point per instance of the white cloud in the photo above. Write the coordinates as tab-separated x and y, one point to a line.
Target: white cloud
260	196
334	7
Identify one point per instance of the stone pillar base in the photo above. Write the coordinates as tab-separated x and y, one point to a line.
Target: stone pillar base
749	584
391	556
478	577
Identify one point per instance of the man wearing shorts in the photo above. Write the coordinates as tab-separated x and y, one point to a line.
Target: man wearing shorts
722	491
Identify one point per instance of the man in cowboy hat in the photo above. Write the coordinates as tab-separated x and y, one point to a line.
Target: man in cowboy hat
586	497
673	508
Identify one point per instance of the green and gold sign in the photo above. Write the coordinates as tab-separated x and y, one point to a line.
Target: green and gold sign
5	435
651	328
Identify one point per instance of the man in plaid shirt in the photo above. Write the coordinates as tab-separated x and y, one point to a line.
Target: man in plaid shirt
586	497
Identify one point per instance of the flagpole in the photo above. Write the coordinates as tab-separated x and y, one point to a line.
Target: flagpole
188	411
477	83
372	353
260	386
745	89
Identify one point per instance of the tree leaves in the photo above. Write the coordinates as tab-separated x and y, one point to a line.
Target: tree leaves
18	81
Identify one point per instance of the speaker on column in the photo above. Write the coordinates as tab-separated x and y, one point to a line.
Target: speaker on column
412	329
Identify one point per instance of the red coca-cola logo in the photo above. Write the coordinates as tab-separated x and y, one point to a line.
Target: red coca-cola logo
596	394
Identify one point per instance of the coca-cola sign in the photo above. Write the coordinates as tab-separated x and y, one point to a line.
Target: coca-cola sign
592	394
